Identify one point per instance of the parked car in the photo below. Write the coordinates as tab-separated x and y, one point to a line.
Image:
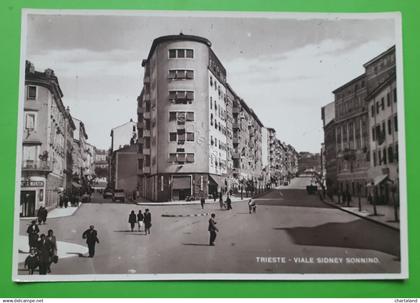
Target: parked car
286	183
118	195
107	193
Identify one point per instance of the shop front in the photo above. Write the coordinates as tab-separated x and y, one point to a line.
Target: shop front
32	196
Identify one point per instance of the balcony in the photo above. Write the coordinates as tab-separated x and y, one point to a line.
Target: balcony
37	165
146	115
140	140
236	125
140	124
140	156
146	80
146	133
140	109
235	140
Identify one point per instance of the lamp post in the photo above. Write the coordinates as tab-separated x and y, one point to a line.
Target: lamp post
375	213
358	194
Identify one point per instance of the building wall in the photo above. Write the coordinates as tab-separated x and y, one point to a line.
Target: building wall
122	135
126	171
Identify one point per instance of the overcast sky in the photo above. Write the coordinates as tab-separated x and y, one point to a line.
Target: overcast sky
285	69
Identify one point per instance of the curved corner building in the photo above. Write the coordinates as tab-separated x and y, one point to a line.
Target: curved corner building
182	120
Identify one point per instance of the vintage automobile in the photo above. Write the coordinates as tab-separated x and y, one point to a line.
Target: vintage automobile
118	195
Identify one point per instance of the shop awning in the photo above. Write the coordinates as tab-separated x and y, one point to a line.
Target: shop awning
77	185
181	183
220	181
379	179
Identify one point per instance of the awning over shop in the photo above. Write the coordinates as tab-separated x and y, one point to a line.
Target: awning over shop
77	185
379	179
181	182
220	181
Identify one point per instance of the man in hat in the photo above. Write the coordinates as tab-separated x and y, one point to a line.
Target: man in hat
91	236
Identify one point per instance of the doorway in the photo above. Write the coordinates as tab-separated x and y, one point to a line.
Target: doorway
27	203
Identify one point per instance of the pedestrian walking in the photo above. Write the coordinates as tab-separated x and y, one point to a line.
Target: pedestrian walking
252	206
32	232
202	201
222	205
44	254
228	203
31	261
212	229
140	219
132	219
42	215
147	221
91	236
348	197
53	253
214	197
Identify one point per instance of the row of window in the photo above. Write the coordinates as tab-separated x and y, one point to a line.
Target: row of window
177	74
380	105
181	53
378	132
217	125
181	96
181	158
181	117
387	155
219	110
181	136
217	143
217	87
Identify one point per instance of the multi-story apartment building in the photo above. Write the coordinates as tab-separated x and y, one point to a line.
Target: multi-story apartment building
330	155
44	141
80	156
197	137
352	137
122	135
383	121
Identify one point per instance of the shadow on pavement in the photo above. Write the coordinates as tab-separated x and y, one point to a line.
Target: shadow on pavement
80	255
291	197
195	244
357	234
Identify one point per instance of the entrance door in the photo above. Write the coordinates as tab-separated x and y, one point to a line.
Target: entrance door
27	203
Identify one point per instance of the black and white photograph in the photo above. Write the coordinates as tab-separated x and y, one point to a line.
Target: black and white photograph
159	145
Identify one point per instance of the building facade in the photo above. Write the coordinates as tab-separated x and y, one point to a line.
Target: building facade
44	155
196	136
383	173
330	154
352	136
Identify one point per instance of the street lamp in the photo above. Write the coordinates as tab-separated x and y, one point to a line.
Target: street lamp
393	192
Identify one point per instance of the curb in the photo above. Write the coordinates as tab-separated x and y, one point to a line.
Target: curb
360	216
178	216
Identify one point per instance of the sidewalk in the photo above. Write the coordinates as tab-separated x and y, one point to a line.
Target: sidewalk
385	213
64	249
57	213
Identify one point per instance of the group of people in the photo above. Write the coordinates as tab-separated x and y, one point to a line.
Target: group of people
42	250
143	220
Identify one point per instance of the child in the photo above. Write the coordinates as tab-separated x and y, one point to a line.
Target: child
31	262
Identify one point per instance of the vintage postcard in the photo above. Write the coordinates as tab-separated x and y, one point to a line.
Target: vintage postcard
157	145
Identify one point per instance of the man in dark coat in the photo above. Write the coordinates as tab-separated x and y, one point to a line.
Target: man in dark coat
42	215
212	229
132	219
228	203
44	254
147	221
32	231
91	236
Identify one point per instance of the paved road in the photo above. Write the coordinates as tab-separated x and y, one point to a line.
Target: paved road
288	224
